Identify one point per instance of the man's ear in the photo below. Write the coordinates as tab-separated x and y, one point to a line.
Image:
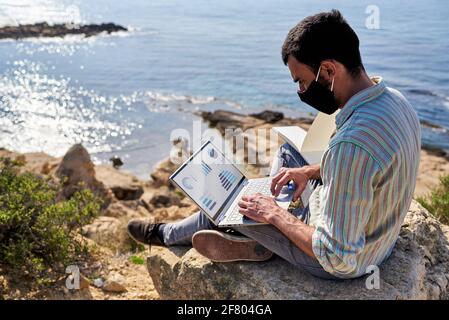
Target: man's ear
328	70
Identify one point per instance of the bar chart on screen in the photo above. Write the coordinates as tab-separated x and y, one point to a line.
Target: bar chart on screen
208	201
205	168
227	179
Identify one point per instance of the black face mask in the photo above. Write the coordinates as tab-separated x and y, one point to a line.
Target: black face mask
319	97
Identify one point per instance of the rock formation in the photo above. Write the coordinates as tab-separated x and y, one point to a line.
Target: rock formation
43	29
417	269
77	171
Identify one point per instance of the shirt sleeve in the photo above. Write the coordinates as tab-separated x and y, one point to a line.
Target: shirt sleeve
349	175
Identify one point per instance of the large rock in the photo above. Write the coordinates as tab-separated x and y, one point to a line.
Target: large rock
115	283
268	116
126	210
123	185
76	171
161	173
417	269
164	198
109	232
224	119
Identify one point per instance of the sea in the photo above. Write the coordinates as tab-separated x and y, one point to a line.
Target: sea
123	94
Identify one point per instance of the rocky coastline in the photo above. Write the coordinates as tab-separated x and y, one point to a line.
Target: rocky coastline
418	268
43	29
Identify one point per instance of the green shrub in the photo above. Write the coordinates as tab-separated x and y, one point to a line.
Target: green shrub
38	232
437	202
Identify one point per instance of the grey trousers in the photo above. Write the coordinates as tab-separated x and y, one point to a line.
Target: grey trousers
181	232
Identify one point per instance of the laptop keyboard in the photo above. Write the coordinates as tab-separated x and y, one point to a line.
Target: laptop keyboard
255	186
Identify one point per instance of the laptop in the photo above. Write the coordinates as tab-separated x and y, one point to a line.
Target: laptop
216	185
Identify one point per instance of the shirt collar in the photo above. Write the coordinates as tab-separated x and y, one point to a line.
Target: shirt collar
358	99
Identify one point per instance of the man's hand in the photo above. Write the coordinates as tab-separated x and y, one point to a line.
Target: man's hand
262	208
259	207
299	175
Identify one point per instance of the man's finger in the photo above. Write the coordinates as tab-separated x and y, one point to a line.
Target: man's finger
283	181
275	180
243	204
244	211
247	213
298	192
247	198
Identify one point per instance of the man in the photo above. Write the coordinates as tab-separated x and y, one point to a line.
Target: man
366	176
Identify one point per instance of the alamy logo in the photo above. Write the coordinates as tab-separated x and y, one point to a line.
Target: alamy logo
373	280
373	19
72	282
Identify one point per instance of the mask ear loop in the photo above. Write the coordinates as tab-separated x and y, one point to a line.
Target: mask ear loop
318	74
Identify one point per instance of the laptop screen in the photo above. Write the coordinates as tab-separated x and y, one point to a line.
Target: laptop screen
209	179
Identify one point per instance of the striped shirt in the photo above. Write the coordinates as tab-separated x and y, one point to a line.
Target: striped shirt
369	175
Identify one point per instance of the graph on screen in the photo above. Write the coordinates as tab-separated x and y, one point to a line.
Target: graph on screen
205	168
227	179
208	201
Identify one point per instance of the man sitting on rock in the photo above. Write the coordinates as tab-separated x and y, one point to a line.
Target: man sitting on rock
366	177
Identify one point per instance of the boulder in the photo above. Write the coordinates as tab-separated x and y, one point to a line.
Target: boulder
117	162
109	232
268	116
131	192
164	199
123	185
161	173
76	171
417	269
126	210
222	119
115	283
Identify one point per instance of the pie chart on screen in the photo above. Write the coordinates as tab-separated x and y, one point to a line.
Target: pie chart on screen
212	153
187	183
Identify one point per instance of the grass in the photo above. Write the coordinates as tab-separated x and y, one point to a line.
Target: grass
437	201
137	260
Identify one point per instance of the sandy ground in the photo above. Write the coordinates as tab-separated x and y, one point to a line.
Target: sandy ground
431	167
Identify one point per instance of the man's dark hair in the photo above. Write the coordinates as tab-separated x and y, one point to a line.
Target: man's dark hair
325	35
